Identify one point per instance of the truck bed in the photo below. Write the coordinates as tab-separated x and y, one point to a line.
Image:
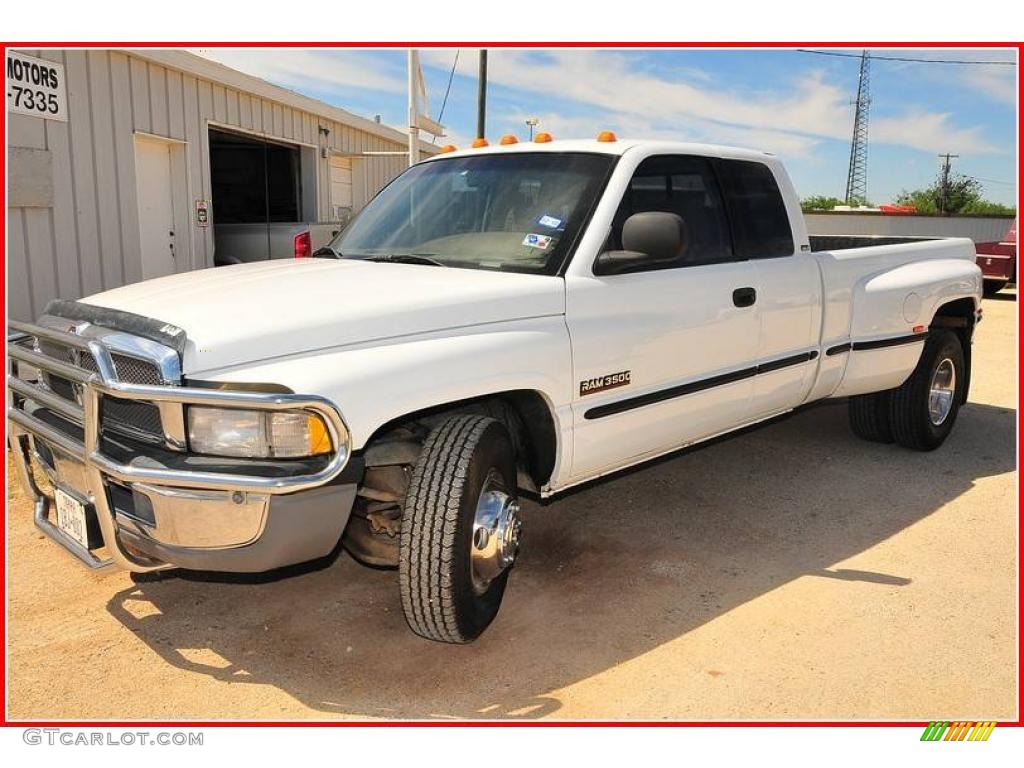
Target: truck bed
845	242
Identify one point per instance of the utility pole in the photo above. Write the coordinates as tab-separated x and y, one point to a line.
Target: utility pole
532	122
414	126
481	95
944	192
857	176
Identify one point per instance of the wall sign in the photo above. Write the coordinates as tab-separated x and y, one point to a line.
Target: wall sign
36	87
202	213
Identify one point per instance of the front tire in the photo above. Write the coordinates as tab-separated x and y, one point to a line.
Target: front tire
460	529
923	409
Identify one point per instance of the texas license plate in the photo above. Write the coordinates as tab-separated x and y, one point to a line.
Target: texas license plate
71	517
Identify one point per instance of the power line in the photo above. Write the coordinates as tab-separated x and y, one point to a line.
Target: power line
907	58
993	181
444	101
451	76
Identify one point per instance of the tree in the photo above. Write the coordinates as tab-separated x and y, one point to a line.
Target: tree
988	208
962	194
820	203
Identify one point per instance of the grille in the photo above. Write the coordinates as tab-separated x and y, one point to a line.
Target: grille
139	415
137	418
128	369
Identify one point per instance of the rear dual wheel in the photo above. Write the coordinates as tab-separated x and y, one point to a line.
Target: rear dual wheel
920	413
992	287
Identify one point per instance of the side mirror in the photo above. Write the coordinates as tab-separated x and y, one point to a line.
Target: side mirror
649	239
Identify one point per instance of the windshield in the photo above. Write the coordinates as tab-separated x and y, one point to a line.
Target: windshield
515	213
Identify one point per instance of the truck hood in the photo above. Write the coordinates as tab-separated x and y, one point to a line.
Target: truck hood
249	312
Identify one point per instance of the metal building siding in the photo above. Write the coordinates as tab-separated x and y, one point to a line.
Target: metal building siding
88	241
980	229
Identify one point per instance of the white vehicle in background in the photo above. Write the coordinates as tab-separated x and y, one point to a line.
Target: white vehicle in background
498	321
241	243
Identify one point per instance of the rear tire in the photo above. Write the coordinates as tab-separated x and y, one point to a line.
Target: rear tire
869	417
923	409
443	596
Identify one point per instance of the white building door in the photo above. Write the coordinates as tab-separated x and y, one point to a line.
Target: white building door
155	185
341	187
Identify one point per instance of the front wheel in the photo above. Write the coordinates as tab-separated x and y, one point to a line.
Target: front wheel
460	529
923	409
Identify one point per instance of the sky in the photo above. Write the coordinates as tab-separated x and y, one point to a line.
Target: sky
795	104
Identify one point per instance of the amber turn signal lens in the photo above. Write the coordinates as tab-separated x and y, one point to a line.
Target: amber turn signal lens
319	437
543	138
607	136
477	143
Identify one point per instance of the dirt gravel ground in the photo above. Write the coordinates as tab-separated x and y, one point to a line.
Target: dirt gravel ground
791	572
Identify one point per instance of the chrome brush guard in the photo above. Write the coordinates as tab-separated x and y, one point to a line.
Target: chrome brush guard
26	428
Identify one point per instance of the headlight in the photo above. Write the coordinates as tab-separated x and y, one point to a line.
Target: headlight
257	434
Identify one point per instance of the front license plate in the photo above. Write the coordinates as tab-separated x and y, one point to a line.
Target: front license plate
71	517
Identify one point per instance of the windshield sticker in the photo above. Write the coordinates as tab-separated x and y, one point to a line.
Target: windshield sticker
537	241
550	222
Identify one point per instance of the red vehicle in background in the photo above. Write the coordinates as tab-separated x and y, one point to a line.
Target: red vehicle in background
998	261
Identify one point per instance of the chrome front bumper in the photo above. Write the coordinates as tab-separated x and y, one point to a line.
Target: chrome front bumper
190	513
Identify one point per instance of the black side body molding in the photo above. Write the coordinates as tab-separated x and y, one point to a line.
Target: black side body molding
893	342
610	409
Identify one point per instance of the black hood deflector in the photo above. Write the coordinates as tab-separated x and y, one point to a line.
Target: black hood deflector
117	320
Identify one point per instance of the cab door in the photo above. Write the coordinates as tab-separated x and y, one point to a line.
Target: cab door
666	356
788	282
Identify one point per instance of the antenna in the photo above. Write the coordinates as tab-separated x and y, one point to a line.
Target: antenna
857	177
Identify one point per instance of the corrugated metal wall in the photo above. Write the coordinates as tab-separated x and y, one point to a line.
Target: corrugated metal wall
979	229
88	240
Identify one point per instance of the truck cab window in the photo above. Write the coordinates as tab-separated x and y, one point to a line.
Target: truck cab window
760	225
685	186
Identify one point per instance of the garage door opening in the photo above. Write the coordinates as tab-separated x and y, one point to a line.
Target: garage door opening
258	196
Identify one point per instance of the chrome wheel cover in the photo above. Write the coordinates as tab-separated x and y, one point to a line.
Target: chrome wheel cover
496	529
941	392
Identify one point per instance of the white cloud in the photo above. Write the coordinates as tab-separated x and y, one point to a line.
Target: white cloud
305	69
628	125
788	117
930	131
1000	83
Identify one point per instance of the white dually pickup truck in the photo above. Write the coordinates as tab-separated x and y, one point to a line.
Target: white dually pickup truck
500	321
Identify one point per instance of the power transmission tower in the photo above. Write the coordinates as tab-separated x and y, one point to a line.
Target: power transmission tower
944	193
857	177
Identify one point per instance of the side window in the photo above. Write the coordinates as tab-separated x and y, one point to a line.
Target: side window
685	186
760	226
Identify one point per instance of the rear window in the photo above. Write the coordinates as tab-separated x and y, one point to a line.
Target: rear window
758	215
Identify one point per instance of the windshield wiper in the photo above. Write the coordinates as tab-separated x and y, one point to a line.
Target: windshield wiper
405	258
328	250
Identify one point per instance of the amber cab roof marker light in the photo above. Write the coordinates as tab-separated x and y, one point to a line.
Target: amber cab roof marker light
607	136
508	138
449	148
477	143
543	138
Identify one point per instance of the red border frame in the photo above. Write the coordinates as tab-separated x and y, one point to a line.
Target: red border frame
4	722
